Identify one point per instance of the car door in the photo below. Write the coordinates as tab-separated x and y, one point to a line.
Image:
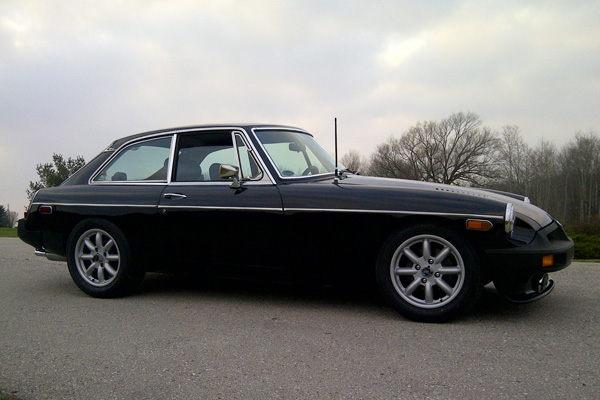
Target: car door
210	221
126	190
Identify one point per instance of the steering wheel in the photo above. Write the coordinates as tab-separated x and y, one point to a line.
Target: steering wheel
311	170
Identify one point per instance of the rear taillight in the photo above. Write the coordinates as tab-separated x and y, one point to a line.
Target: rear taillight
45	209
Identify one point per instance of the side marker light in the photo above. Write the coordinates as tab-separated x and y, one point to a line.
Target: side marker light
479	225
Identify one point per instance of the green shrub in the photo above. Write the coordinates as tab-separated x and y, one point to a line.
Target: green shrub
587	247
588	226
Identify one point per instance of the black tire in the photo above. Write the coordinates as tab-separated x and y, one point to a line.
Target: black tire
100	260
433	287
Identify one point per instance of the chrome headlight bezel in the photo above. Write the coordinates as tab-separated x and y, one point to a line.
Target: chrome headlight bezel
509	219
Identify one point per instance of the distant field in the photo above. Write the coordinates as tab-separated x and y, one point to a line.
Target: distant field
8	232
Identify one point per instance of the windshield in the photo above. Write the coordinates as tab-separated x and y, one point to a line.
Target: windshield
295	154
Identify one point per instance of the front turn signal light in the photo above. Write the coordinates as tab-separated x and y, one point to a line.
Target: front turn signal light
547	261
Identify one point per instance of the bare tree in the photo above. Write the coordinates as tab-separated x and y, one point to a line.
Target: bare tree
514	161
580	164
387	161
456	150
13	217
3	216
546	185
353	161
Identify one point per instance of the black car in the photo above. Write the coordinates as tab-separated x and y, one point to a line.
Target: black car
250	198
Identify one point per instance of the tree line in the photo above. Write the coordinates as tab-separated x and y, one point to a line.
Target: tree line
459	150
8	218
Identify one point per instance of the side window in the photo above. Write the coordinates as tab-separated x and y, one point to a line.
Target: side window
143	161
199	156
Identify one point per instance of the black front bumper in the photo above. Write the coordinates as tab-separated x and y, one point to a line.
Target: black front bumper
512	269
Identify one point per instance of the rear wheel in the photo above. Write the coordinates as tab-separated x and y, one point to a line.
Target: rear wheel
100	260
429	273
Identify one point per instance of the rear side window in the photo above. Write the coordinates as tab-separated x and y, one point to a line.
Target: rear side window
142	161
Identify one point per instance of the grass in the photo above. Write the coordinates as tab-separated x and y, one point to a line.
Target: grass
8	232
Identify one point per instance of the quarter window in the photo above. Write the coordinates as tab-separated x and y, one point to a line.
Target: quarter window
143	161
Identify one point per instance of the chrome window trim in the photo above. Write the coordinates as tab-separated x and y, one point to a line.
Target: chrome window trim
220	183
91	180
269	156
132	183
172	157
266	177
174	136
260	160
234	130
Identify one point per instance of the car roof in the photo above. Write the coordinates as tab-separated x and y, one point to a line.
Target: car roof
246	126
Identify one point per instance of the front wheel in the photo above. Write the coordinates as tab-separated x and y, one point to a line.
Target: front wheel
100	260
429	273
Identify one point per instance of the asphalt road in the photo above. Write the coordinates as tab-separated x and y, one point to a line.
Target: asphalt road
184	339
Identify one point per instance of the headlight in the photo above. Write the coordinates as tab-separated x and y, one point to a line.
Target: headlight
509	219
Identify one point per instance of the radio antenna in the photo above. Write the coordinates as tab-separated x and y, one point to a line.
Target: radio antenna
336	150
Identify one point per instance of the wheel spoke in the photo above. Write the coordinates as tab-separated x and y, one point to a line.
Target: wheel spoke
109	245
98	240
411	256
101	274
426	249
405	271
444	286
112	257
443	255
109	269
450	270
428	293
86	257
410	289
91	269
89	244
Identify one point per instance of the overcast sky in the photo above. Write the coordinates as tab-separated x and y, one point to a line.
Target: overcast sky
75	75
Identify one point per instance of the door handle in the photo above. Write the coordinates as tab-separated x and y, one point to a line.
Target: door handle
174	196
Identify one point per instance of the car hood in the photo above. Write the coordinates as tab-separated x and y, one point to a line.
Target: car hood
535	216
